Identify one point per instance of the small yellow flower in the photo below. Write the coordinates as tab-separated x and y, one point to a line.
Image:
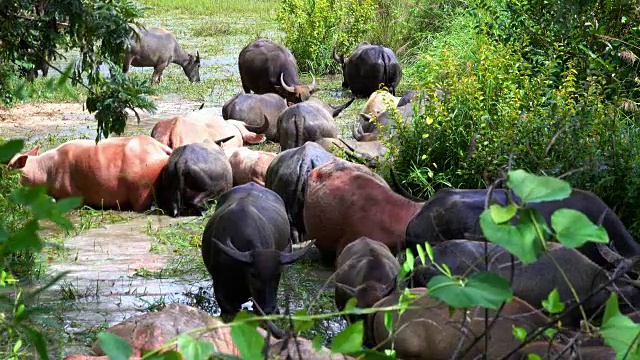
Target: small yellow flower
424	136
429	120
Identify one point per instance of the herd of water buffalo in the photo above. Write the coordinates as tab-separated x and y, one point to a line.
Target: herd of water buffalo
267	202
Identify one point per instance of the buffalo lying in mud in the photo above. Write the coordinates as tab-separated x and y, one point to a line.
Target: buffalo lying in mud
428	330
252	109
118	172
250	165
194	175
366	128
366	270
287	176
370	153
454	214
310	120
345	201
244	246
368	68
158	48
533	283
268	67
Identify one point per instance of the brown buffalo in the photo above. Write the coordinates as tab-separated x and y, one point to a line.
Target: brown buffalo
345	201
158	48
253	108
205	126
429	332
119	172
366	270
310	120
250	165
268	67
545	350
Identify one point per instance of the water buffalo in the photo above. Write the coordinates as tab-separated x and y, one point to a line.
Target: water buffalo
250	165
374	114
194	175
205	126
454	214
253	108
430	332
345	201
310	120
268	67
370	153
366	270
545	350
118	172
158	48
287	176
368	67
244	246
531	283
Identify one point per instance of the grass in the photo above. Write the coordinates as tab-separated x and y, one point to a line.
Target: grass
240	8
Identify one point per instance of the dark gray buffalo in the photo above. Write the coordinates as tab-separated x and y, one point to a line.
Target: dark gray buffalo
369	67
533	283
157	47
310	120
251	109
366	270
287	176
454	214
194	174
268	67
244	246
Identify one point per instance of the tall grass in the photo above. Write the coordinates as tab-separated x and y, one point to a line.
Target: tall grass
257	8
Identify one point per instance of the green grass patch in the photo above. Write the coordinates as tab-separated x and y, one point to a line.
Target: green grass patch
196	7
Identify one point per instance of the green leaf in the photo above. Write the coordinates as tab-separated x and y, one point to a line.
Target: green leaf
349	340
520	240
194	350
388	321
573	228
302	325
618	331
421	255
410	260
532	188
25	238
68	204
501	214
248	341
351	306
550	332
483	288
167	355
520	333
552	303
533	357
10	148
316	343
38	341
114	346
429	249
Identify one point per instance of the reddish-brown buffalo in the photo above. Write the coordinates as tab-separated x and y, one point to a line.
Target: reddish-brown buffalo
345	201
205	126
118	172
249	165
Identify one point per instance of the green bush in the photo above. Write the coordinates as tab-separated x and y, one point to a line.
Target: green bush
313	27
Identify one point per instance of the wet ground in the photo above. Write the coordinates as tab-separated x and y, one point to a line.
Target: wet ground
129	263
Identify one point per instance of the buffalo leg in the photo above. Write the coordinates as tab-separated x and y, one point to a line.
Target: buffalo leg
127	63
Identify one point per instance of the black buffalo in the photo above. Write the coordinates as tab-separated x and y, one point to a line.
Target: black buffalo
310	120
369	67
454	214
194	174
244	246
253	108
287	176
268	67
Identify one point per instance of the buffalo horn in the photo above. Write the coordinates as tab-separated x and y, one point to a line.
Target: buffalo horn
198	56
313	83
339	60
232	252
201	106
357	131
219	142
339	109
392	285
608	254
290	257
401	190
290	89
351	291
406	98
259	129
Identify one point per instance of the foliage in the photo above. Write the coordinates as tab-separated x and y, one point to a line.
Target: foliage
314	27
20	237
36	31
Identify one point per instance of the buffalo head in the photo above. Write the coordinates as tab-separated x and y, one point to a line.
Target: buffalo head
297	93
368	293
264	269
192	68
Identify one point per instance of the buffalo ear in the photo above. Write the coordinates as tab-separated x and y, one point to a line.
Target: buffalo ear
34	151
287	258
245	257
19	162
